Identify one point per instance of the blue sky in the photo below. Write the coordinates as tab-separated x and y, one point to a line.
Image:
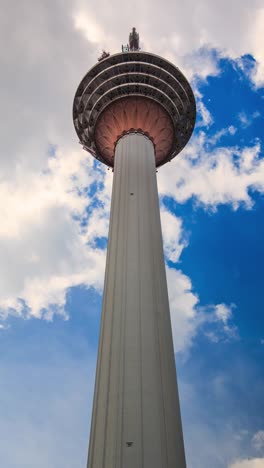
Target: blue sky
54	211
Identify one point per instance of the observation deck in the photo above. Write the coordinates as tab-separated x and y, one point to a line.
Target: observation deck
134	92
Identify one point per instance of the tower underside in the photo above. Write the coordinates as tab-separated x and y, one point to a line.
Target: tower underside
101	118
136	419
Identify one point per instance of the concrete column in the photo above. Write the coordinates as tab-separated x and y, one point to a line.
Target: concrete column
136	419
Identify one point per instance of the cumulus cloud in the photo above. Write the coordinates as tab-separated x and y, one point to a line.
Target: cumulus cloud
257	443
187	315
184	315
214	175
204	117
252	463
214	139
258	440
246	120
221	317
223	313
256	46
173	236
186	30
57	205
46	240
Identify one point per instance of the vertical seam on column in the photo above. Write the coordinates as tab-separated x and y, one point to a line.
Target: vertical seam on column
124	315
159	288
121	341
162	261
122	324
102	331
140	310
154	269
111	341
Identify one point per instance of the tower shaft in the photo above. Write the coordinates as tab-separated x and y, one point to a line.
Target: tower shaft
136	419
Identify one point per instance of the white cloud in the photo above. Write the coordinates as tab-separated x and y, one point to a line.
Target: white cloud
43	246
48	243
204	114
223	313
231	130
45	249
256	43
200	63
187	315
246	120
89	27
88	24
251	463
183	310
173	237
258	440
214	175
180	38
222	319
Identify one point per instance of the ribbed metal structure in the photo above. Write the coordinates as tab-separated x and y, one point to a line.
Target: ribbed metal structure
136	419
133	74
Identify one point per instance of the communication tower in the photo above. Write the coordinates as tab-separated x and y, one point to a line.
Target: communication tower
135	111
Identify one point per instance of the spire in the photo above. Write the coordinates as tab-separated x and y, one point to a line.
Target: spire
133	42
